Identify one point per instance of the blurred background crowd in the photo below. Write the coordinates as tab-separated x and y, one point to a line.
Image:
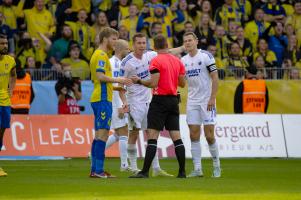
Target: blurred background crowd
48	36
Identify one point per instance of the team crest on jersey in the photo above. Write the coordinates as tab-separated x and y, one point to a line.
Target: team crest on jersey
6	65
101	63
200	62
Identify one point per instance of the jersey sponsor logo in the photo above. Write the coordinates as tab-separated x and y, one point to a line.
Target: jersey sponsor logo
143	74
193	72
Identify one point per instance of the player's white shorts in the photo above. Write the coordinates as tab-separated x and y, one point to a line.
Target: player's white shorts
198	115
117	122
138	116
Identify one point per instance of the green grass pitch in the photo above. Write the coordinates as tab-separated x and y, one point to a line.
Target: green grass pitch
243	179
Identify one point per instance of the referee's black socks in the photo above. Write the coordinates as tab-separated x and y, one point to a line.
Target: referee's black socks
150	153
180	153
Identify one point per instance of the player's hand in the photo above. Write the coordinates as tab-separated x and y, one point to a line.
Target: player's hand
211	104
125	108
124	81
135	79
121	113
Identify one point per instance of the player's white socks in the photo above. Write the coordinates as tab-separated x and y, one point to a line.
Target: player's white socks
196	154
123	142
132	154
111	140
155	163
213	148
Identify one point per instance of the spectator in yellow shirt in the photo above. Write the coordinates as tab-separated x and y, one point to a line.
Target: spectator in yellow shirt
77	5
244	43
295	20
183	6
130	22
235	64
256	28
25	48
269	57
219	40
293	53
245	7
83	33
119	11
218	62
39	20
79	67
226	12
11	12
160	15
100	23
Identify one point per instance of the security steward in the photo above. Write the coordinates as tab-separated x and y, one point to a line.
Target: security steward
251	95
23	93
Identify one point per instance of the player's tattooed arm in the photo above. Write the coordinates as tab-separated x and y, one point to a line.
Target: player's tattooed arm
12	80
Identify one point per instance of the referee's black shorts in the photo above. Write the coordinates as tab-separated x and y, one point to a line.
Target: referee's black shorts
163	112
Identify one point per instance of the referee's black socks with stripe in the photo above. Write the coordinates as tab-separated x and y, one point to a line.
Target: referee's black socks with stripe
150	153
180	153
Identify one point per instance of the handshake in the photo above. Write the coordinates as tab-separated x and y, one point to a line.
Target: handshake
128	81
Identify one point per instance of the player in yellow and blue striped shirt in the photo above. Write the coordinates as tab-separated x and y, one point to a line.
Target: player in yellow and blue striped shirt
7	84
101	99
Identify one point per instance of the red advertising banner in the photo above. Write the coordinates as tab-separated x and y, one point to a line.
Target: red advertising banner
51	135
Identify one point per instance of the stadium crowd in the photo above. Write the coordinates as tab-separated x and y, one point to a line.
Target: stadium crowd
47	35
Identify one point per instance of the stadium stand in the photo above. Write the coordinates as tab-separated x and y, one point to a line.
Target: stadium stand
39	30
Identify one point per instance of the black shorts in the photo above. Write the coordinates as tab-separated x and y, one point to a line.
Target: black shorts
163	112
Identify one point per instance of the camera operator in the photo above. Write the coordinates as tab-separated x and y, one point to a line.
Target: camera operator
68	89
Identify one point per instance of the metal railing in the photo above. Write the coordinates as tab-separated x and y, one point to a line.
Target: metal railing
51	74
224	74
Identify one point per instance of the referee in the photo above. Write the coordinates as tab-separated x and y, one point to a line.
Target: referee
167	73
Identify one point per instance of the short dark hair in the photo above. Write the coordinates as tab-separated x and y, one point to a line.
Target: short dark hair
106	33
188	22
190	33
160	42
138	35
155	23
3	36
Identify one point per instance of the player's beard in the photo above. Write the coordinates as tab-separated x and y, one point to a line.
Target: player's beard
4	51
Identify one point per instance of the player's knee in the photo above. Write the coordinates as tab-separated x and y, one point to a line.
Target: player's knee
210	139
194	136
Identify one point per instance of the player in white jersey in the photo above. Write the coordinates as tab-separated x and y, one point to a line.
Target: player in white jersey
202	77
138	97
119	119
